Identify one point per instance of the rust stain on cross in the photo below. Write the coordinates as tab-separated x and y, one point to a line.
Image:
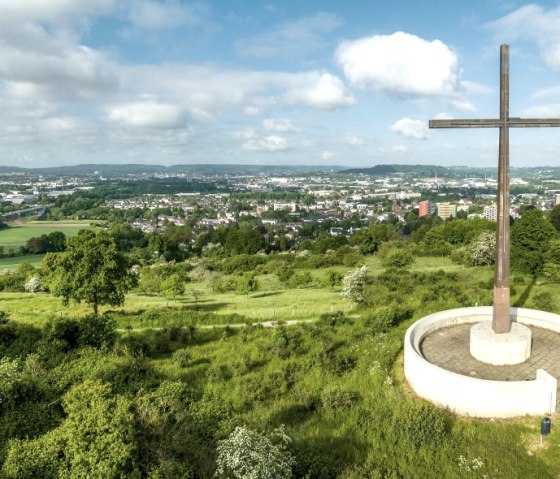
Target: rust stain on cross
501	321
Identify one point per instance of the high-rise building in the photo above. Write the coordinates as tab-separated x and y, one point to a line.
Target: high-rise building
423	208
445	210
490	212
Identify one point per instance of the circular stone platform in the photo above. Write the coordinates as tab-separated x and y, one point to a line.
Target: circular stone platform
500	349
452	378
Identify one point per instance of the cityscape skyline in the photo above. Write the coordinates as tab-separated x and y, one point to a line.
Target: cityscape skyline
174	82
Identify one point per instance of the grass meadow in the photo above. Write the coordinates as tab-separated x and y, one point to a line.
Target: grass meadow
334	381
19	232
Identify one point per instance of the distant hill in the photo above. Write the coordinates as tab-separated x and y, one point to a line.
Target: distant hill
110	170
419	170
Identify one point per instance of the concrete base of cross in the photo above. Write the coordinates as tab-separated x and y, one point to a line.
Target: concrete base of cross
500	349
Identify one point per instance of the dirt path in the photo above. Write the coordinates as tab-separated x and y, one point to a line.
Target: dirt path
264	324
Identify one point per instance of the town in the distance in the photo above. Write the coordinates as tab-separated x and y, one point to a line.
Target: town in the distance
290	200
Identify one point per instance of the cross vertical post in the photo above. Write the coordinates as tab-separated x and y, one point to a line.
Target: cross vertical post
501	321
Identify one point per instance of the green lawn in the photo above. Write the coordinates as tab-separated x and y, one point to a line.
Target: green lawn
17	235
7	264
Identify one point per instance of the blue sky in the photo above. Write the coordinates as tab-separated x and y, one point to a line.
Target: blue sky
293	82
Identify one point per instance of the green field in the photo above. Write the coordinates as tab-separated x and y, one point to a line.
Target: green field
18	234
8	264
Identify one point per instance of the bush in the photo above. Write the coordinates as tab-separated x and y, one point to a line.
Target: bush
421	424
301	280
543	300
182	357
334	398
246	454
353	285
482	251
398	258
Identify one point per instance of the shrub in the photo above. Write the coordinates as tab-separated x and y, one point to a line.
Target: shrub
421	424
543	300
398	258
246	454
182	357
334	398
353	285
482	251
301	280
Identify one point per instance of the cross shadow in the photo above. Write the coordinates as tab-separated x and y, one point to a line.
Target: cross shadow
525	295
265	295
208	307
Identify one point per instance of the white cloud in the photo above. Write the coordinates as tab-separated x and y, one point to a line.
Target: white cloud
323	91
37	64
354	140
461	104
535	23
288	40
247	134
444	116
271	143
551	110
60	124
281	125
547	93
477	88
400	64
50	10
148	114
252	111
157	15
399	150
327	155
415	129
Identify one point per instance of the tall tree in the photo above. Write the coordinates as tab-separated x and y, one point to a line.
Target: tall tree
91	271
530	239
555	217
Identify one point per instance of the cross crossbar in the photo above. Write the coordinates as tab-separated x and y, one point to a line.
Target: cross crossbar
496	123
501	321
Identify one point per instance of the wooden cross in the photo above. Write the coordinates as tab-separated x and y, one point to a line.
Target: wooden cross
501	322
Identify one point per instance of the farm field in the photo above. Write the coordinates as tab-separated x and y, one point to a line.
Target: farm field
19	233
10	264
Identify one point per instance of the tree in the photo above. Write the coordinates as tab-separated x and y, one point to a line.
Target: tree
555	217
247	283
173	286
196	294
97	439
246	454
530	238
551	267
91	270
354	285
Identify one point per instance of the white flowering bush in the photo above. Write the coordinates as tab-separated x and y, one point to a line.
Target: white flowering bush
246	454
354	285
482	251
34	284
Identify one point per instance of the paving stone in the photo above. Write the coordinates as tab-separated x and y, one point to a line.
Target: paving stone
449	349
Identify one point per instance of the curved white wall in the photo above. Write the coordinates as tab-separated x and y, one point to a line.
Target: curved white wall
472	396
